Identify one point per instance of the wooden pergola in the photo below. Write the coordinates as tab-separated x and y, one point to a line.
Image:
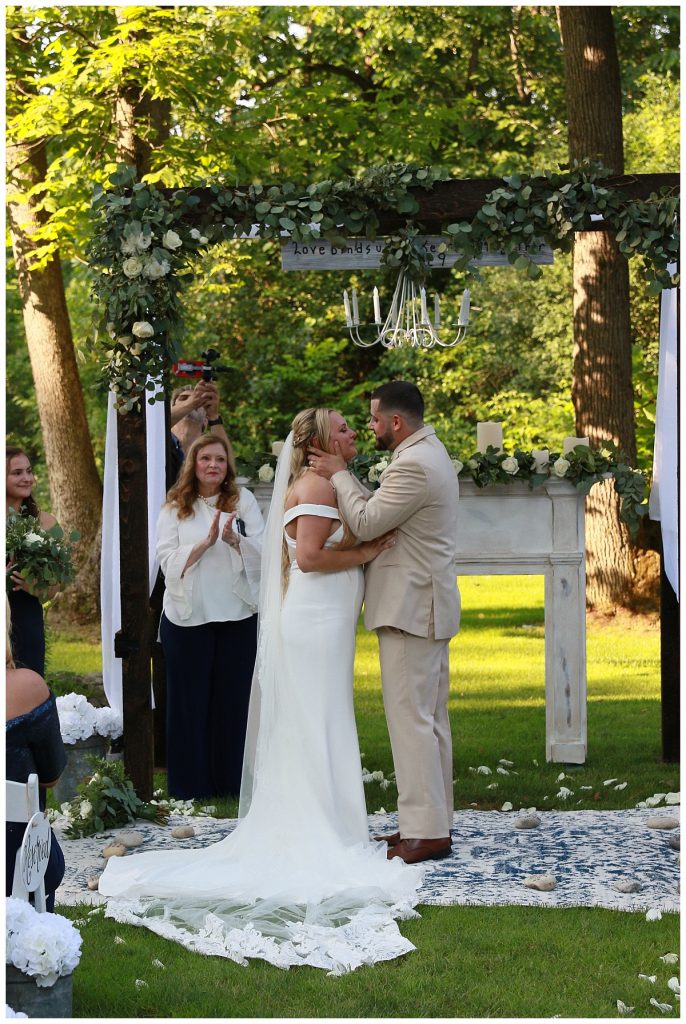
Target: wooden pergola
448	201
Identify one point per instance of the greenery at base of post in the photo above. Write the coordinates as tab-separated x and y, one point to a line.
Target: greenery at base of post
108	800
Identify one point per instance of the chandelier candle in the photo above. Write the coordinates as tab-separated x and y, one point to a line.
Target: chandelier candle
356	311
437	312
463	318
425	315
571	442
346	306
377	306
489	434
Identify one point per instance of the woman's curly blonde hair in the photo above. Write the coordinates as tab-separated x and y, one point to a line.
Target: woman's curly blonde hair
308	426
185	491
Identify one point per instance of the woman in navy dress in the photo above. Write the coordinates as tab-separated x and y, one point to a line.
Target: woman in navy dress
33	745
26	602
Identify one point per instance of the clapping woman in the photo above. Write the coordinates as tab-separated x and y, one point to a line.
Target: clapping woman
209	546
26	602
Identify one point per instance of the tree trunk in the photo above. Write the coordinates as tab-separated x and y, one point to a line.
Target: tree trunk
602	389
75	488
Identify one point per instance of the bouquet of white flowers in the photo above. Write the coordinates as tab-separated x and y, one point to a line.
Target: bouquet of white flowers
79	720
42	556
44	946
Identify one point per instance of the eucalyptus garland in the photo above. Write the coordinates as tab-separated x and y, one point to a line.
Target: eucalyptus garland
146	242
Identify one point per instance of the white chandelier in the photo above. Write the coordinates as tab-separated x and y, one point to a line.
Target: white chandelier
407	323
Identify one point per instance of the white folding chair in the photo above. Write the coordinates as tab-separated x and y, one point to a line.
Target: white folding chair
21	803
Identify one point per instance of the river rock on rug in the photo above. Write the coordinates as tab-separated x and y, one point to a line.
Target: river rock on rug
588	853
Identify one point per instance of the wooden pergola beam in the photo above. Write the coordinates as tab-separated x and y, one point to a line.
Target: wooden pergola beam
461	198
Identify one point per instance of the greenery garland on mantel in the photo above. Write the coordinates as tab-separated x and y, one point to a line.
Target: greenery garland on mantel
146	241
583	467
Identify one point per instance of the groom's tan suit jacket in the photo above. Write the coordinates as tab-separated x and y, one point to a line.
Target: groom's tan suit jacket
411	586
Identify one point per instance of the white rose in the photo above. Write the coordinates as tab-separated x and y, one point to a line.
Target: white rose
373	474
457	465
128	247
197	237
560	467
85	808
510	465
265	474
472	464
155	269
171	240
32	539
133	267
142	329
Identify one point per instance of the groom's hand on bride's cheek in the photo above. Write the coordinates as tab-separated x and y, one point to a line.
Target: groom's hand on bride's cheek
326	464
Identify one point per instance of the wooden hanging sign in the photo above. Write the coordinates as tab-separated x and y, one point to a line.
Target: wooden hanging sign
362	254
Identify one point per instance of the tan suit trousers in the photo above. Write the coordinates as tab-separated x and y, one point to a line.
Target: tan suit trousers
415	680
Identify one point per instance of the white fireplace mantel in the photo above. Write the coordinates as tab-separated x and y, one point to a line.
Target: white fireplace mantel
508	529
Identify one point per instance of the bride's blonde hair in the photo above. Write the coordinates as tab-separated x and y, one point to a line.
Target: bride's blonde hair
309	426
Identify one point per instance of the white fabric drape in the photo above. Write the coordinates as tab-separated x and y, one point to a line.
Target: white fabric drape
110	603
664	492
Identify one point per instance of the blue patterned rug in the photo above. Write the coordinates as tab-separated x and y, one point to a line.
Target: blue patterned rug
586	851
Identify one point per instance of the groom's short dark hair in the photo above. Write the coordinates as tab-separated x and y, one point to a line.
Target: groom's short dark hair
402	397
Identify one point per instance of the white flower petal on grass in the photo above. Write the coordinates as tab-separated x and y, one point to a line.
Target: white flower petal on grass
140	983
561	777
535	763
507	806
492	785
652	978
622	785
623	1008
670	958
654	915
483	770
502	771
159	964
564	793
673	798
608	782
504	761
382	810
118	941
585	787
662	1007
674	985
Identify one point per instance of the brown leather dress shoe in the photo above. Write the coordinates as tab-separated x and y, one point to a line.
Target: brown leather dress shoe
392	840
413	851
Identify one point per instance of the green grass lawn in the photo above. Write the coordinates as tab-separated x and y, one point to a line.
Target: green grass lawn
470	961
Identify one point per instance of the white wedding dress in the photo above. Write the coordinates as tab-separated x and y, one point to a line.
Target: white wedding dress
298	881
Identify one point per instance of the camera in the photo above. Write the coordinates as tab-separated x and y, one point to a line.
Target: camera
202	368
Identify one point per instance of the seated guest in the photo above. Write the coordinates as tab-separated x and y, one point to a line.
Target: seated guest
33	745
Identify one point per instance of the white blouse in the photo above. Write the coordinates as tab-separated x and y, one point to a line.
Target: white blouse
223	584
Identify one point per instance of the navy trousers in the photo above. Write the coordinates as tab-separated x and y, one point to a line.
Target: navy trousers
28	631
209	675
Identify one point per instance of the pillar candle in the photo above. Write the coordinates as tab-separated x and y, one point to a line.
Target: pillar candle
437	311
425	315
356	312
277	447
489	434
572	442
540	457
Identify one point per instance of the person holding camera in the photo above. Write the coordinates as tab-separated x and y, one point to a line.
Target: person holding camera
193	410
209	542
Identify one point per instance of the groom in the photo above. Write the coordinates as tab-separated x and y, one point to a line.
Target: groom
412	601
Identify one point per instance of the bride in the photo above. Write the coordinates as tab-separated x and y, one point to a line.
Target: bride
298	880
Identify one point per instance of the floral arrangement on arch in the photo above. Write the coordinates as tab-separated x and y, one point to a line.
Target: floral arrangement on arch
41	555
80	720
44	946
582	466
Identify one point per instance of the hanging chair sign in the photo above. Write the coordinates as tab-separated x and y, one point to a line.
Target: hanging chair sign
363	254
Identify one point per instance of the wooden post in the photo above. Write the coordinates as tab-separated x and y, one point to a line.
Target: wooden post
132	642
